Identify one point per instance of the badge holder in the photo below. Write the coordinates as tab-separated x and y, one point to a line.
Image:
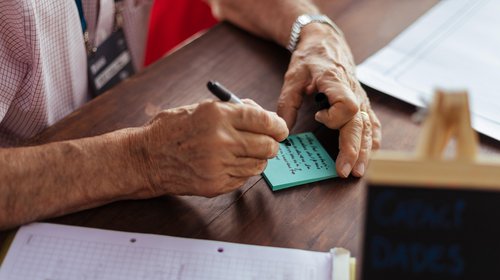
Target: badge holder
111	62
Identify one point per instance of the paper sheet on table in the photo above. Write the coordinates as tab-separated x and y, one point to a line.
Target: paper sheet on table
456	45
48	251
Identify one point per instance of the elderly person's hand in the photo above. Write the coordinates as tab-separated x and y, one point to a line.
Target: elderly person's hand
207	149
323	62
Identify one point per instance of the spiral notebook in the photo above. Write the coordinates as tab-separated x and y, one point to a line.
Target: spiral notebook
49	251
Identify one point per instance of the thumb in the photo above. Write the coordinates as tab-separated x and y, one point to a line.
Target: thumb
291	97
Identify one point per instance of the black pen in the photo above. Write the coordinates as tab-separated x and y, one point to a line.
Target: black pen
223	93
321	101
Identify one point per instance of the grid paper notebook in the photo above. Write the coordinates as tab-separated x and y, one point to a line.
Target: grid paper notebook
49	251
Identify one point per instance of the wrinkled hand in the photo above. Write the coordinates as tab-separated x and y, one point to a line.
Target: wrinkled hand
209	148
323	62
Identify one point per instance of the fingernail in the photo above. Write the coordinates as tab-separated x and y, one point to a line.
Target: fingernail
360	169
346	169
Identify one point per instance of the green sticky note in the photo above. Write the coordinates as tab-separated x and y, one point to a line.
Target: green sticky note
300	160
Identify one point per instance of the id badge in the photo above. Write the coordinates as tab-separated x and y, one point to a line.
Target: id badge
110	64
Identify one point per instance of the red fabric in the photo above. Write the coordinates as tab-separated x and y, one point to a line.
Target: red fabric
173	21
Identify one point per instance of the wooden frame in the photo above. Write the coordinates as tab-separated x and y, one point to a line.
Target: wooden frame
449	118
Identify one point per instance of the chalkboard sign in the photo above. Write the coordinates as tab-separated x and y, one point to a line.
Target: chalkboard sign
430	233
429	217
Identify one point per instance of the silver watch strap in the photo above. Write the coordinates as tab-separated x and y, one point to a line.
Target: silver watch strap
304	20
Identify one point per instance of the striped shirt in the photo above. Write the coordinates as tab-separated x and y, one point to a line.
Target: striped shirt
43	61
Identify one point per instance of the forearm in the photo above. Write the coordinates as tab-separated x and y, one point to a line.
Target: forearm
191	150
269	19
62	177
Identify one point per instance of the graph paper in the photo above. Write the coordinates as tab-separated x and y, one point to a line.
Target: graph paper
52	252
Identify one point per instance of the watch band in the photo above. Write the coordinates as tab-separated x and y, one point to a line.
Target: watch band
304	20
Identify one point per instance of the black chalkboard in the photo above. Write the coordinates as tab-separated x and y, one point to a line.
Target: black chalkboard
424	233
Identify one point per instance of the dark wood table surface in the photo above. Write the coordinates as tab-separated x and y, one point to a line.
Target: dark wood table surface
316	216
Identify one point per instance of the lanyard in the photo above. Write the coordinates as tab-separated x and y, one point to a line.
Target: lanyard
82	16
118	23
89	48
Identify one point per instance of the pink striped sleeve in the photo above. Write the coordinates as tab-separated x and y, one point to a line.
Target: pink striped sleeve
14	55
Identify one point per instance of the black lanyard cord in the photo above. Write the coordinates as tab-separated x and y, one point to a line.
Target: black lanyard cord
82	16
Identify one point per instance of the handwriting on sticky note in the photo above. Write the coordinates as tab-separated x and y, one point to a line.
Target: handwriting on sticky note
300	160
301	153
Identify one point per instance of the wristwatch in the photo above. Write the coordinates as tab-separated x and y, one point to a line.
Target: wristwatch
304	20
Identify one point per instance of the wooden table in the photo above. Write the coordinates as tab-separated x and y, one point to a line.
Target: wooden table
315	216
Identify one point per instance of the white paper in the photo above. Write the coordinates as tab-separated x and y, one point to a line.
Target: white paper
456	45
47	251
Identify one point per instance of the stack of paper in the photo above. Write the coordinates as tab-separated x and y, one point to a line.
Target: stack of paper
456	45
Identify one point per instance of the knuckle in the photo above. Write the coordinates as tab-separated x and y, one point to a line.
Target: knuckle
300	55
251	102
260	167
376	143
365	151
245	146
351	107
256	167
368	129
291	74
367	136
376	124
210	110
267	148
161	115
266	121
282	103
368	126
350	152
367	140
332	74
272	149
358	123
160	118
248	114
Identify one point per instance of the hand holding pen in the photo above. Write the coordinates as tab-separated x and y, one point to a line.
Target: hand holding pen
209	148
227	96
